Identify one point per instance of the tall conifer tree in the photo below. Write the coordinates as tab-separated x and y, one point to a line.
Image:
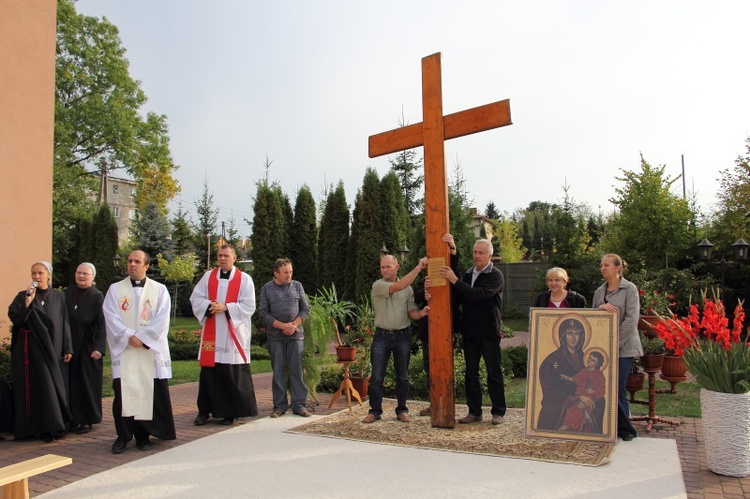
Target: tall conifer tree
303	236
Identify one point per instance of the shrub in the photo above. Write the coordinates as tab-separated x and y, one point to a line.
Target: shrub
183	351
258	352
518	357
5	371
513	311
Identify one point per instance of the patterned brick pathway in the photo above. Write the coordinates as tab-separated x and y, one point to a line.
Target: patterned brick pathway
91	452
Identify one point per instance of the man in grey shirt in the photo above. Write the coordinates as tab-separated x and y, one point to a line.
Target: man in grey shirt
393	303
283	307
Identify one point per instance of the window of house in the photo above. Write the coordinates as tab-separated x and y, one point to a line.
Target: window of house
132	214
115	189
116	211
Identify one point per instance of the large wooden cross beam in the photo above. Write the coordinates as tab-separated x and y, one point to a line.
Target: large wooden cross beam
432	133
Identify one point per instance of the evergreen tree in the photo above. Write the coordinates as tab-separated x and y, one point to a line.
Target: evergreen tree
491	211
303	236
407	169
151	233
268	232
232	234
349	290
286	207
104	237
394	220
370	234
333	241
183	239
459	211
205	229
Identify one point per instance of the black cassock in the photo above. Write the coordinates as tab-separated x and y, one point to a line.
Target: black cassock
39	338
88	334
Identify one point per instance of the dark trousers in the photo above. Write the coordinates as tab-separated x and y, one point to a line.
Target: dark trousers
162	424
489	349
624	425
383	343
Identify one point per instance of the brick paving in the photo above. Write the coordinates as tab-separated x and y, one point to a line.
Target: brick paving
91	452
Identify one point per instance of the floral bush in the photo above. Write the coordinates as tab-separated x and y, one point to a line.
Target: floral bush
714	352
655	302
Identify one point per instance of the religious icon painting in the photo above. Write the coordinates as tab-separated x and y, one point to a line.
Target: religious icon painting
571	390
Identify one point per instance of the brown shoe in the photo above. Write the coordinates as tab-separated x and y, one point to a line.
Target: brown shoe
470	418
304	413
425	412
404	417
277	413
497	419
370	418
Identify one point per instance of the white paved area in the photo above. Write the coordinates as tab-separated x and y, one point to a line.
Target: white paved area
259	460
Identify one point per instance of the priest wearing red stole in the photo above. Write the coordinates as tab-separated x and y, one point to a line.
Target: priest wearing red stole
136	313
223	302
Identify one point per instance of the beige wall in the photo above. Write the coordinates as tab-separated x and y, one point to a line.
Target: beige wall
27	86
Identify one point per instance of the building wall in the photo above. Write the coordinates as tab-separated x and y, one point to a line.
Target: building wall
121	201
27	98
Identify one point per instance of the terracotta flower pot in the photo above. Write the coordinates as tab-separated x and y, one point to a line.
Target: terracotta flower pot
652	363
346	354
674	367
360	384
646	325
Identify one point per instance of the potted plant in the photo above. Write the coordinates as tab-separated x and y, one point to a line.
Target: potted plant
654	303
674	368
636	378
360	335
720	361
338	312
653	353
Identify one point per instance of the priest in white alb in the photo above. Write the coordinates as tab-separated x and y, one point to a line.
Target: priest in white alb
223	301
136	312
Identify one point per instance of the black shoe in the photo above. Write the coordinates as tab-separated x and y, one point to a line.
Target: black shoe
83	429
627	437
119	446
143	444
201	419
47	438
228	421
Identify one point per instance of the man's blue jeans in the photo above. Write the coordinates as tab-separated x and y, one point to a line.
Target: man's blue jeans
383	343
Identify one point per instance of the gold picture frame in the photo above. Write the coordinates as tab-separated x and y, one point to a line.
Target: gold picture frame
571	390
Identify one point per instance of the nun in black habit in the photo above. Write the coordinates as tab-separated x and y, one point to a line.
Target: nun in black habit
40	353
89	337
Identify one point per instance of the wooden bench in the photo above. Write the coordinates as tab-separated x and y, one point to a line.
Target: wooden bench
14	478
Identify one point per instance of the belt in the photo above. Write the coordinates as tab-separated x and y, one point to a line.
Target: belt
390	331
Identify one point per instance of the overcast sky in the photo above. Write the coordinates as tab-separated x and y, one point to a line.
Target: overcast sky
592	84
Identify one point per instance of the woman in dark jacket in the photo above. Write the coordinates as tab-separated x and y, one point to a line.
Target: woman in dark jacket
557	296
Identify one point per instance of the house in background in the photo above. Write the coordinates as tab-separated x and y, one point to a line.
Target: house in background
480	221
119	193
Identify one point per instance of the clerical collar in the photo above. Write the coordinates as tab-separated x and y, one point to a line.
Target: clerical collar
138	284
224	275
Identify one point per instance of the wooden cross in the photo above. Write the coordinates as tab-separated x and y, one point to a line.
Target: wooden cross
432	133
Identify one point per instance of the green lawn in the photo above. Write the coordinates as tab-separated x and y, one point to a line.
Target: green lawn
183	371
683	404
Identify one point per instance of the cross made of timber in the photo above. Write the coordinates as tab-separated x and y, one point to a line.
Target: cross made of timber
432	133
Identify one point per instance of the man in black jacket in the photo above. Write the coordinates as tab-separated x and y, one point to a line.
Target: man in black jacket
479	293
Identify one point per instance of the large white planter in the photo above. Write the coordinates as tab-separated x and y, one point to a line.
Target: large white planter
726	428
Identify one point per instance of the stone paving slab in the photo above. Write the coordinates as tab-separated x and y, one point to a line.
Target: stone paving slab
91	452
